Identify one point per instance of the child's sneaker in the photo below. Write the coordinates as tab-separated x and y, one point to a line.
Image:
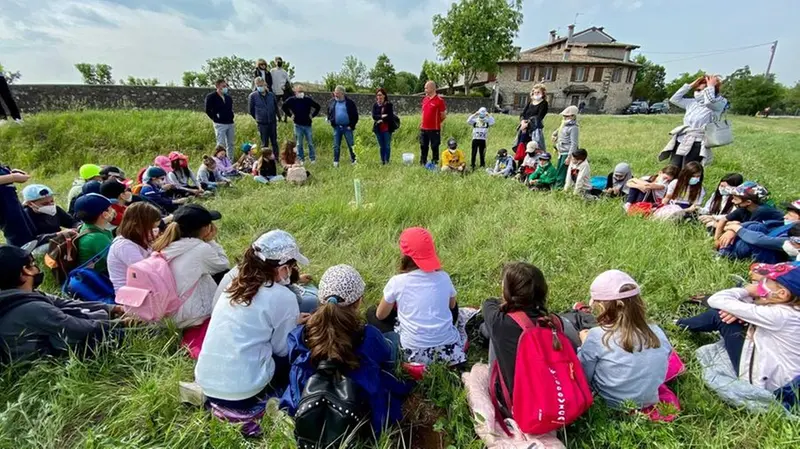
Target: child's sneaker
191	393
354	162
313	161
335	165
18	121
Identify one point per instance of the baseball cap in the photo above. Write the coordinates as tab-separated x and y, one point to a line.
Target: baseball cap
246	147
35	192
112	189
417	243
786	274
545	156
192	217
110	170
342	285
164	163
794	205
608	285
14	258
155	172
531	146
751	191
570	110
452	143
91	187
278	245
89	171
177	155
92	205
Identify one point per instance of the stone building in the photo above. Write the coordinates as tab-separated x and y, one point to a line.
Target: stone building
589	66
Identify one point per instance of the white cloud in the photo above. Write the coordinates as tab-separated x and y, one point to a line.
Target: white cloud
163	44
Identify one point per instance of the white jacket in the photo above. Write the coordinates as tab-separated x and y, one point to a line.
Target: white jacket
193	262
583	183
771	352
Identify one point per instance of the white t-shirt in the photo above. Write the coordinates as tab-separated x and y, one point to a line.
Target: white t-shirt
236	360
480	127
684	199
423	308
279	79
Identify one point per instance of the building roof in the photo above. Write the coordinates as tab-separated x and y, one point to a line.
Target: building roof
590	37
550	58
578	89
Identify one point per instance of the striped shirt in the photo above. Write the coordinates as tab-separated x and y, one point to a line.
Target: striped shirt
702	110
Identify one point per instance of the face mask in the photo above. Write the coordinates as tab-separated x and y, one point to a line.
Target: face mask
127	197
619	177
38	278
109	227
224	91
694	181
789	222
724	191
537	97
48	210
482	115
790	249
763	291
301	95
285	280
260	89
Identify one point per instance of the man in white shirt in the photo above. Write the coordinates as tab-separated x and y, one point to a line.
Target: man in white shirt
279	81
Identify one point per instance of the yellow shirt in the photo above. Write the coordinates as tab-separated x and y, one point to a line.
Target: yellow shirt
453	159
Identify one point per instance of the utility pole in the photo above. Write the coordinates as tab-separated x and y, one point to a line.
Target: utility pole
771	56
577	14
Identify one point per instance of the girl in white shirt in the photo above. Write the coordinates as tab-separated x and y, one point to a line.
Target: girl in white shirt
720	204
420	303
687	191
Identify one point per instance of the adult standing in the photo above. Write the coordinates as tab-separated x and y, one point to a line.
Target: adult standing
343	117
531	121
263	107
10	104
384	126
687	143
262	71
280	80
302	109
219	108
434	111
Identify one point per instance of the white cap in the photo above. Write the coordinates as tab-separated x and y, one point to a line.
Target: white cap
570	110
278	245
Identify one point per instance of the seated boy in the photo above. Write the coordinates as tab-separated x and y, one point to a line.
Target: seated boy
87	172
763	242
749	200
504	165
545	175
453	159
48	219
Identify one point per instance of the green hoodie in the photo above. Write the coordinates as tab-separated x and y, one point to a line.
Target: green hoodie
545	174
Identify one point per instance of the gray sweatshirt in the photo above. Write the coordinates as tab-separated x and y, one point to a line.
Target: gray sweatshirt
567	135
618	375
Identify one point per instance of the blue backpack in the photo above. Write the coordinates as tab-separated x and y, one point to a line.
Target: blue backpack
86	284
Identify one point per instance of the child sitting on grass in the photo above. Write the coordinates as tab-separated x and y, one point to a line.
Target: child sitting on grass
293	170
720	204
759	326
266	170
209	173
650	189
545	176
504	166
530	160
224	165
246	161
617	183
762	242
625	358
579	176
453	159
182	177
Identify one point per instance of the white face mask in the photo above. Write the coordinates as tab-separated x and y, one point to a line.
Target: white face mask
791	250
109	227
300	95
286	280
537	97
724	191
127	197
48	210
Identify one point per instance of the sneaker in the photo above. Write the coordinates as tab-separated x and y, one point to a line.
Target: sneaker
191	393
354	162
18	121
335	165
313	161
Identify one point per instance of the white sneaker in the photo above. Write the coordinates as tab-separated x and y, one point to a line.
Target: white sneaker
3	122
18	121
336	165
191	393
354	163
313	161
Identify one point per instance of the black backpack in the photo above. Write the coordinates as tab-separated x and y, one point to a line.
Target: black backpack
332	410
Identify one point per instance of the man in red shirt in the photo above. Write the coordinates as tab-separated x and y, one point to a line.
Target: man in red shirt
434	111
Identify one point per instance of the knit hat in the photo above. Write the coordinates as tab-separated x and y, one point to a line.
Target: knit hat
35	192
607	286
570	110
155	172
342	285
417	243
89	171
280	246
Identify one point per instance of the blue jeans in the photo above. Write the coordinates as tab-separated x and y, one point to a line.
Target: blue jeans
309	299
303	134
385	144
226	137
733	335
338	132
393	340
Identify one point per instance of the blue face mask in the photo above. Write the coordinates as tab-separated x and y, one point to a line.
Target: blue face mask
260	89
224	91
694	181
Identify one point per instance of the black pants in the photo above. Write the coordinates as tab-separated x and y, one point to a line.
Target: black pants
637	196
429	138
478	145
8	100
269	134
733	335
387	324
692	156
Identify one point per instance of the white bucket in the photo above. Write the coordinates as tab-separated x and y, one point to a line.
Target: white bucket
408	158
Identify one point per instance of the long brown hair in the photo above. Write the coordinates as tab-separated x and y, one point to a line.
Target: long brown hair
288	157
137	223
253	273
173	233
407	264
333	332
688	172
524	288
733	180
628	319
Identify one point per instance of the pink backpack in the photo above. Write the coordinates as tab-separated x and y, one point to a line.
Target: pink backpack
150	292
550	388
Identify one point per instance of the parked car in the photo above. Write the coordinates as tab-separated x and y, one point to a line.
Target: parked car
659	108
637	107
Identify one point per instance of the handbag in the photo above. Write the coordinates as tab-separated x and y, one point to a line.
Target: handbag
718	133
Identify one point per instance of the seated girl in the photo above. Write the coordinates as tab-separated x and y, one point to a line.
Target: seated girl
95	211
245	349
625	358
336	333
762	242
135	235
265	170
196	260
246	161
293	170
579	175
749	205
209	174
421	303
684	195
650	189
545	176
720	204
617	183
225	166
759	326
182	177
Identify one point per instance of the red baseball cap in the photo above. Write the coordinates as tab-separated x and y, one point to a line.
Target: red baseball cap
417	243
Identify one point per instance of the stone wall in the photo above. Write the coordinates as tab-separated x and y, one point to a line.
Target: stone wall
40	97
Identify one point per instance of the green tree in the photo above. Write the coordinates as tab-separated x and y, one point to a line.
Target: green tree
133	81
650	82
331	80
477	34
683	78
10	76
353	74
238	72
286	66
750	93
383	74
444	73
95	73
406	83
423	78
790	103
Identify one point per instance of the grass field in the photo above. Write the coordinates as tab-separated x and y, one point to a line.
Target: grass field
127	397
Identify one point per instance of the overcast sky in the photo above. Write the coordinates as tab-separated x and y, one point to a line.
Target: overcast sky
163	38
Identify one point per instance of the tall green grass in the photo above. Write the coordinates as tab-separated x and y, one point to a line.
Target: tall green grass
127	397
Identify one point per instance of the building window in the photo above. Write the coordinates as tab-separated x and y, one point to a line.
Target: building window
526	73
598	74
547	74
521	100
575	100
631	73
617	75
580	74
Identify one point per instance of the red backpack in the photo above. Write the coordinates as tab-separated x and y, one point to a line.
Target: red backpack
550	388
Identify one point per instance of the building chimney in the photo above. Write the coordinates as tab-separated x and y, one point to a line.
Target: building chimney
552	36
571	31
567	51
628	55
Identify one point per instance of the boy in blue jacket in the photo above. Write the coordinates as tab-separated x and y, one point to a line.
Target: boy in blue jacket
763	242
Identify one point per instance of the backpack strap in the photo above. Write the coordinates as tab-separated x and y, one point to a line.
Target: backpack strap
496	377
522	319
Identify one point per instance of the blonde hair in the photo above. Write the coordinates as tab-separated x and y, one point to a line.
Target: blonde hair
626	318
260	61
540	87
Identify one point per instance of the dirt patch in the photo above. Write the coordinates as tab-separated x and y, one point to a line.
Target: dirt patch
418	424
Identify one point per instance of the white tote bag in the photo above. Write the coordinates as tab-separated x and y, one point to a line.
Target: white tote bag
719	133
